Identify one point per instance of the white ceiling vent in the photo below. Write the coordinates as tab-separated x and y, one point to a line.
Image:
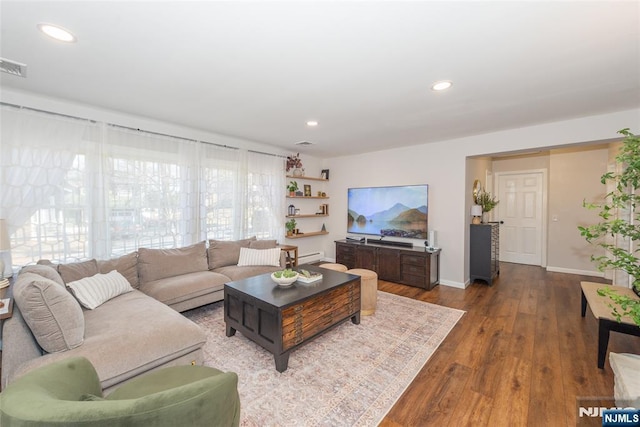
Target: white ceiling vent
305	143
12	67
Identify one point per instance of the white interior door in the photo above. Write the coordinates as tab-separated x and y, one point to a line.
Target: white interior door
521	209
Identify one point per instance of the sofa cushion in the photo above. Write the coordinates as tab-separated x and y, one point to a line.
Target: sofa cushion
161	335
46	271
222	253
173	290
155	264
127	265
234	272
252	257
263	244
53	315
77	270
96	290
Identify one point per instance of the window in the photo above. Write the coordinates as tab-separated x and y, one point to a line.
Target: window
73	189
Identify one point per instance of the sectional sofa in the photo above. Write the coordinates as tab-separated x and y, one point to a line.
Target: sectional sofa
124	314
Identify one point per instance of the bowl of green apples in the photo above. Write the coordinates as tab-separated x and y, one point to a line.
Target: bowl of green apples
284	277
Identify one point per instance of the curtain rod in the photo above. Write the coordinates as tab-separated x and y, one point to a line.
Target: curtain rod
170	136
22	107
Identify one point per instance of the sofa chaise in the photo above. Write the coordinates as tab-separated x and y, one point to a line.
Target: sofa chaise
136	325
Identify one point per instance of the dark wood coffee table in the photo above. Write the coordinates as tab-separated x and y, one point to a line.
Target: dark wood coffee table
282	319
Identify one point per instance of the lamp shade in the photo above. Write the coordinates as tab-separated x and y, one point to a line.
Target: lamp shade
5	245
476	210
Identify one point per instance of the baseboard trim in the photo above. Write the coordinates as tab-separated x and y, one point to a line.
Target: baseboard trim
575	271
458	285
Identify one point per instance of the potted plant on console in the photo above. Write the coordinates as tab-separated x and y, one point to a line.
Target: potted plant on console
487	202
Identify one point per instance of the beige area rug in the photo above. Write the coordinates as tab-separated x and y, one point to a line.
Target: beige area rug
351	375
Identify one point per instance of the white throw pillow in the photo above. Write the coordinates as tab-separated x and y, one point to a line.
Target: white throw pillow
100	288
259	257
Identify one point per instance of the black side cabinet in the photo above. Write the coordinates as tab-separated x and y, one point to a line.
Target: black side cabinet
484	251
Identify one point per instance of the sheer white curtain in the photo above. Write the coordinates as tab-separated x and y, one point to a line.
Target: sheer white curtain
265	193
220	180
151	190
43	193
73	189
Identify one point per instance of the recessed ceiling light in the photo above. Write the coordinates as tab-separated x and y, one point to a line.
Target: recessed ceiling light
312	123
57	33
441	85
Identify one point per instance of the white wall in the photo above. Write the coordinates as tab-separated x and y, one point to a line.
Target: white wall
574	176
442	165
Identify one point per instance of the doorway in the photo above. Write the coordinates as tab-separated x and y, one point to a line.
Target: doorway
522	211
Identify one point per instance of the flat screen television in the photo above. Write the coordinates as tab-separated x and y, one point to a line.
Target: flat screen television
398	211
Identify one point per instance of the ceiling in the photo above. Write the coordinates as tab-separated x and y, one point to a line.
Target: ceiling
260	70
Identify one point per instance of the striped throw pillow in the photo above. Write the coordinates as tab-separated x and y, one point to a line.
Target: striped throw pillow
96	290
259	257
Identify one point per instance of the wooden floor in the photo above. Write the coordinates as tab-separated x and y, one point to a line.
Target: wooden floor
520	356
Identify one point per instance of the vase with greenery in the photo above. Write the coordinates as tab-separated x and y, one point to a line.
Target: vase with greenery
486	201
624	198
292	187
290	226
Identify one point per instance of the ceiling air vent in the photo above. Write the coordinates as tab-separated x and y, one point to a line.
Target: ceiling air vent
305	143
12	67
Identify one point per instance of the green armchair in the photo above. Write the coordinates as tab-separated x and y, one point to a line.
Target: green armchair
68	393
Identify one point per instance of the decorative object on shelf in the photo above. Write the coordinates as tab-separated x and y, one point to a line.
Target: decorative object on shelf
618	213
324	174
291	210
290	226
323	228
292	187
477	188
307	190
476	213
5	252
299	194
296	212
294	162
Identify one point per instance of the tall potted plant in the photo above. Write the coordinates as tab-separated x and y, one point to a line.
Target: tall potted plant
624	197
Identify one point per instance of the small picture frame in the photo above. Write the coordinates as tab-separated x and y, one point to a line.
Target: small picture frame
307	190
324	174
